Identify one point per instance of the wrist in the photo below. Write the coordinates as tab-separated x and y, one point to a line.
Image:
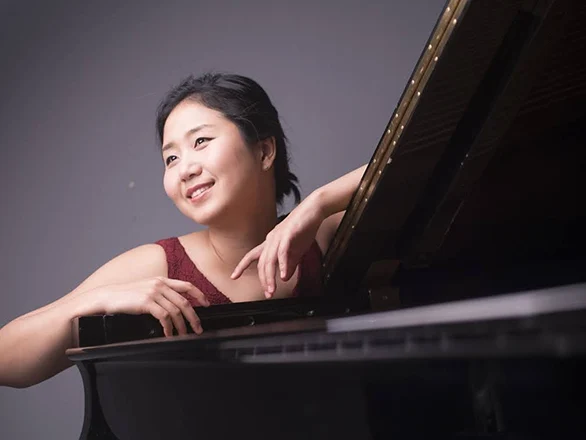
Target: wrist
322	203
335	196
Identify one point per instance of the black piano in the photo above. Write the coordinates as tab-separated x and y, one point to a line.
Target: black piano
455	302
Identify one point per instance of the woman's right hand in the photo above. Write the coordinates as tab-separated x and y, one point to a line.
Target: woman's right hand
159	296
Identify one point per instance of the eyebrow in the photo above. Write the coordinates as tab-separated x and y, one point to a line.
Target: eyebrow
188	133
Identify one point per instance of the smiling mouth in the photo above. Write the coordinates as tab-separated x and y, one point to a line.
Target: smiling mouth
200	191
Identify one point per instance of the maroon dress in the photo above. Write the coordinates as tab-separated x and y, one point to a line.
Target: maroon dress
181	267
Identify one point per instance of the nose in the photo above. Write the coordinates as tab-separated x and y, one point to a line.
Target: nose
189	170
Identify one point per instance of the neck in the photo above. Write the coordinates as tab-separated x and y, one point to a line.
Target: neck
231	242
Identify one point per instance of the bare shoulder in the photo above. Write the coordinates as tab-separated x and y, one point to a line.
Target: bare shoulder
145	261
141	262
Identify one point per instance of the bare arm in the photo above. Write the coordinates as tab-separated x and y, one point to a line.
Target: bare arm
332	200
33	345
316	218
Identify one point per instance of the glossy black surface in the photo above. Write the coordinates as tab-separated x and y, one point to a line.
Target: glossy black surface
483	195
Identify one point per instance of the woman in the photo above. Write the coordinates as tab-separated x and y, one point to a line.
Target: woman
226	167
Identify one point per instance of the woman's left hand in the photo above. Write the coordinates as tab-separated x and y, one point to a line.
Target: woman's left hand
284	245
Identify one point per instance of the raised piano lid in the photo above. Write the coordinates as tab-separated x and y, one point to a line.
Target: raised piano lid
477	184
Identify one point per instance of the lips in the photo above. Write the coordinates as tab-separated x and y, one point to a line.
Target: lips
195	191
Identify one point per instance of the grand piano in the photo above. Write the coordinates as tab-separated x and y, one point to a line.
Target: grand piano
455	302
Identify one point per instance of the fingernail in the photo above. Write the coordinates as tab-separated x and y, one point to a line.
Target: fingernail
282	273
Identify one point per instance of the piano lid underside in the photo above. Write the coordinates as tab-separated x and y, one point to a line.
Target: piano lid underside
514	192
529	202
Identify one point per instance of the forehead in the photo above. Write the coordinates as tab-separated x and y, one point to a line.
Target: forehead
187	115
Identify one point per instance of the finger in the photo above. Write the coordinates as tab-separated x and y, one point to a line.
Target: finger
247	260
185	287
291	267
175	312
283	258
292	261
182	303
270	265
260	267
163	316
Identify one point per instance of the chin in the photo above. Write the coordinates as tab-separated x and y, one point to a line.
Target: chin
205	215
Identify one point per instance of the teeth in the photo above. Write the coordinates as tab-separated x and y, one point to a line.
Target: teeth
200	190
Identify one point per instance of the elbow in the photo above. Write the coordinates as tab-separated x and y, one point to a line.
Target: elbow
21	377
14	382
20	386
13	376
19	381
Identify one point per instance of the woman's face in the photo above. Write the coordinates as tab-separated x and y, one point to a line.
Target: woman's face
210	173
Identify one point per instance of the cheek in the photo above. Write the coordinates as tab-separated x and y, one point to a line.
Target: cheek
237	162
222	158
170	189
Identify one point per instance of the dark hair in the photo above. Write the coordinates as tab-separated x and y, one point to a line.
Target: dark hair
245	103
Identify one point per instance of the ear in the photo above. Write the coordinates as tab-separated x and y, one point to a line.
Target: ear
268	152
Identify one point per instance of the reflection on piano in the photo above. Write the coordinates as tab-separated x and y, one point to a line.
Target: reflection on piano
456	284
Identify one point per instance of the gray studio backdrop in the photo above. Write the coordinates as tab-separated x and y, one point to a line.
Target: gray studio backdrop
81	173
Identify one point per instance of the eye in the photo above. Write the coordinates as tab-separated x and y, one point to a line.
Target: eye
170	159
200	141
